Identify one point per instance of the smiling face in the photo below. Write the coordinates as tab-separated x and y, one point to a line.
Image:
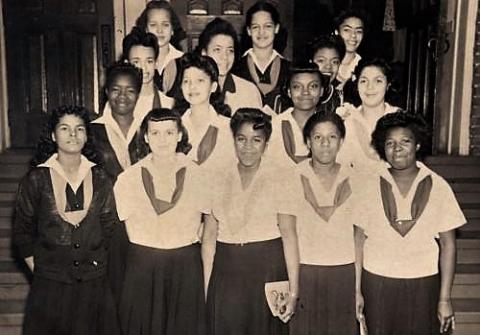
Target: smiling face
401	148
143	58
221	48
159	24
324	142
122	95
351	31
162	137
250	144
305	90
70	134
328	62
197	86
262	30
372	86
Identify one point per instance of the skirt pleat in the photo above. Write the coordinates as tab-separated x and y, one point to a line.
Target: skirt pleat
163	293
236	303
327	301
70	309
401	306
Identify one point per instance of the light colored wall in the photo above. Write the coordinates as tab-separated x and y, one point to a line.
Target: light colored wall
4	129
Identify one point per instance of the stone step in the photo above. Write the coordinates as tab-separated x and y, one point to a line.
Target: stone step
467	314
471	213
468	197
452	172
12	278
12	306
9	185
464	243
451	160
19	156
472	225
8	170
14	292
11	330
467	185
468	256
8	196
466	283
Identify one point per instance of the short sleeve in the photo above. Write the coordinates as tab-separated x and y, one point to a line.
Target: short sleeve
451	216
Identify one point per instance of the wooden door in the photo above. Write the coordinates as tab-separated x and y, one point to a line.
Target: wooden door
57	51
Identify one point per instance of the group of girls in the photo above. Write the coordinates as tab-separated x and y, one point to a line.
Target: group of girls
170	212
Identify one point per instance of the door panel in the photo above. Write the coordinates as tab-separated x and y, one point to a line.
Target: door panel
52	58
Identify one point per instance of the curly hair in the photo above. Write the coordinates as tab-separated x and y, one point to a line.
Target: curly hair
121	68
46	147
139	37
253	116
280	41
217	26
385	68
401	119
352	12
209	67
158	115
178	33
327	41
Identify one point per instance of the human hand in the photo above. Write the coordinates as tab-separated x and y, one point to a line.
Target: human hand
287	307
359	304
445	316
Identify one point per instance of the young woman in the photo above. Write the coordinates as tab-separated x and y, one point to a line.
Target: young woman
250	237
305	88
160	19
409	221
219	41
205	115
65	215
327	51
325	233
115	135
263	64
141	49
160	198
374	80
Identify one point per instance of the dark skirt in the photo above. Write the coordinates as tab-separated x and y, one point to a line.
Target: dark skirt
70	309
117	255
401	306
236	303
163	293
327	301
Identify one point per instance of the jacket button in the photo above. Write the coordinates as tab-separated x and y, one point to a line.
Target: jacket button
76	245
76	263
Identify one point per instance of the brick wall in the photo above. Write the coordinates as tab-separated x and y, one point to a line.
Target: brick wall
475	114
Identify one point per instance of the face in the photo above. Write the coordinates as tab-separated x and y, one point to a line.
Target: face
250	144
324	142
305	91
122	95
262	30
70	134
197	86
328	61
143	58
162	137
372	86
401	148
159	24
351	31
222	50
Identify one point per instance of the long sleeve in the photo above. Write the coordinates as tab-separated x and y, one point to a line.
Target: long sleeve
26	211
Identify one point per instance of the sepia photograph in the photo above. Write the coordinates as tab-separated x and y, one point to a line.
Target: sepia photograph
229	167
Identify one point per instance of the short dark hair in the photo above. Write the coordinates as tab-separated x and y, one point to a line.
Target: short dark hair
400	119
322	117
158	115
178	32
46	147
123	68
380	63
280	41
299	67
209	66
139	37
352	12
217	26
327	41
254	116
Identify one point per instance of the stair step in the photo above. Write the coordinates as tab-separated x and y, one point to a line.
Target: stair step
461	234
468	256
10	330
451	172
461	243
472	225
468	197
21	156
471	213
5	242
14	292
467	185
451	160
7	196
6	210
11	320
13	170
12	306
12	278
